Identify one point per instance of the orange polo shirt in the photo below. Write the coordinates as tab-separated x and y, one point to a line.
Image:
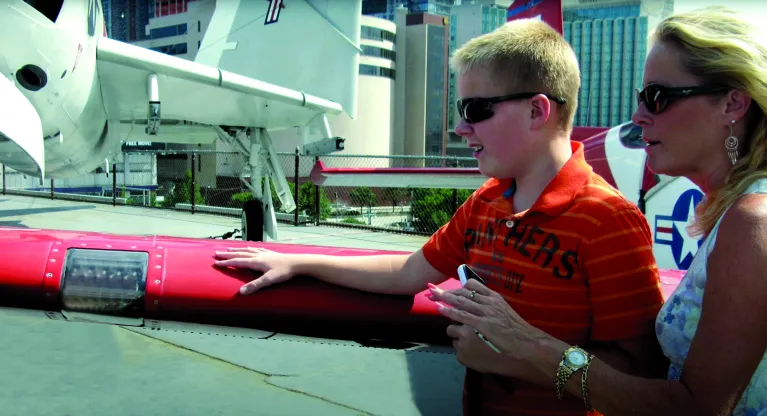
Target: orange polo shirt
578	265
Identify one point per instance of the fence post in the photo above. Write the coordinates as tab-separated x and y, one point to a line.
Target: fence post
317	197
51	188
455	191
192	192
3	179
295	182
114	184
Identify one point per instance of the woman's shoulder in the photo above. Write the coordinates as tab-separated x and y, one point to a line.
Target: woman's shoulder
736	267
746	219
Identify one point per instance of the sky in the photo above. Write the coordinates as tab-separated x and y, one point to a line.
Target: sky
753	10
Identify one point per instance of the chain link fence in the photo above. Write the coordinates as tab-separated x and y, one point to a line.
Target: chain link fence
209	181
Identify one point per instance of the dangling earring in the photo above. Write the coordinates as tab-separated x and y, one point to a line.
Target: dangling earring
731	143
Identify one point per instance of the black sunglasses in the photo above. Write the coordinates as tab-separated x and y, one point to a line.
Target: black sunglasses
474	110
657	97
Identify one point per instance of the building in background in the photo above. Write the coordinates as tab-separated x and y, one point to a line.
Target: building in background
387	9
371	132
174	27
468	21
420	112
126	20
170	7
178	27
610	39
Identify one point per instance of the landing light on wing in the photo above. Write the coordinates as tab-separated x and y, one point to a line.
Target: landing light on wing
21	131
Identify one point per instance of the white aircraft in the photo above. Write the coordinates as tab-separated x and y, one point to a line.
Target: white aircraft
72	96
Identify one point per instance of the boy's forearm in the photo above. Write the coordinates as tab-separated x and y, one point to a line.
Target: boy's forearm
379	274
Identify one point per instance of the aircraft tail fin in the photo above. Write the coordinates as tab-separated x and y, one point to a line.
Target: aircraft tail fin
550	11
304	45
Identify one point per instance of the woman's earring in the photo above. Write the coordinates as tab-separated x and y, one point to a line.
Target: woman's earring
731	143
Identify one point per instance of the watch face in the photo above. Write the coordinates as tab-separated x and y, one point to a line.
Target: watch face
576	358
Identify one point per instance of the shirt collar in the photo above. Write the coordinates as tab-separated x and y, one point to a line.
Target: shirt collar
555	198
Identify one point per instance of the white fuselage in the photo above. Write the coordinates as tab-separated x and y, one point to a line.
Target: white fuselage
669	204
53	64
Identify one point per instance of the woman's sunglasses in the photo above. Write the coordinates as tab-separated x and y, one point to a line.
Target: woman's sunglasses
657	97
474	110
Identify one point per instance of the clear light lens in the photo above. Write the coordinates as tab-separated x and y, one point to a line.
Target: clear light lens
630	136
109	282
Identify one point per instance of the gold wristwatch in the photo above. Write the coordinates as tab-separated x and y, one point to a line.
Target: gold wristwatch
573	360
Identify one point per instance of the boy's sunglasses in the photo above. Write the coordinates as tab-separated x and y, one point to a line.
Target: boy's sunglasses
657	97
474	110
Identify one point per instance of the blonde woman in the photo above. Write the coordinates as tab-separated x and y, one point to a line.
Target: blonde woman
702	110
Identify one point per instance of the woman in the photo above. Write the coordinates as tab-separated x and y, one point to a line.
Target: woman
702	115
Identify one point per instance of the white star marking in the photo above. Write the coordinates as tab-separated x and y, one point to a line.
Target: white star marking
689	244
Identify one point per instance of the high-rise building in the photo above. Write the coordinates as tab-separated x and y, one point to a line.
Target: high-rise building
387	9
377	8
420	91
170	7
610	39
427	34
126	20
371	131
178	27
468	21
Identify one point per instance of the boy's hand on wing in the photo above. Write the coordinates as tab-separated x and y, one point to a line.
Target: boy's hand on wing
276	267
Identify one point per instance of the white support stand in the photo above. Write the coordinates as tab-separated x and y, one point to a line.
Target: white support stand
153	119
256	146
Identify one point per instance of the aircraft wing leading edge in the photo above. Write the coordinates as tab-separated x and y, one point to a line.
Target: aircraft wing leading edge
197	93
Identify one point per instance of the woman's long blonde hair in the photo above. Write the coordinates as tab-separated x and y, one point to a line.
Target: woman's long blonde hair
721	48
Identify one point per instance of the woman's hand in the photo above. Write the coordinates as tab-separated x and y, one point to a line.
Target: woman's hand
482	309
276	267
472	352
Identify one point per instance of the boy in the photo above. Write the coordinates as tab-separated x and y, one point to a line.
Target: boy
568	252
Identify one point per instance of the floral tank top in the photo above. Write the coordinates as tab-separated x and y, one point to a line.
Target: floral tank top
678	319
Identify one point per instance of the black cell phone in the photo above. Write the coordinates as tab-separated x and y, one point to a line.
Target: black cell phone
465	273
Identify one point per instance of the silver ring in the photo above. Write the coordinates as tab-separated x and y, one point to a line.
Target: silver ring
473	292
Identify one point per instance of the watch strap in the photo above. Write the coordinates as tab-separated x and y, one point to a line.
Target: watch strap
564	372
584	383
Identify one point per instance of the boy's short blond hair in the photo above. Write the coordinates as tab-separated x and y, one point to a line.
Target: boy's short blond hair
526	55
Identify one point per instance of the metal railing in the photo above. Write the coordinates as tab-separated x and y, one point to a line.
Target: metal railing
208	181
